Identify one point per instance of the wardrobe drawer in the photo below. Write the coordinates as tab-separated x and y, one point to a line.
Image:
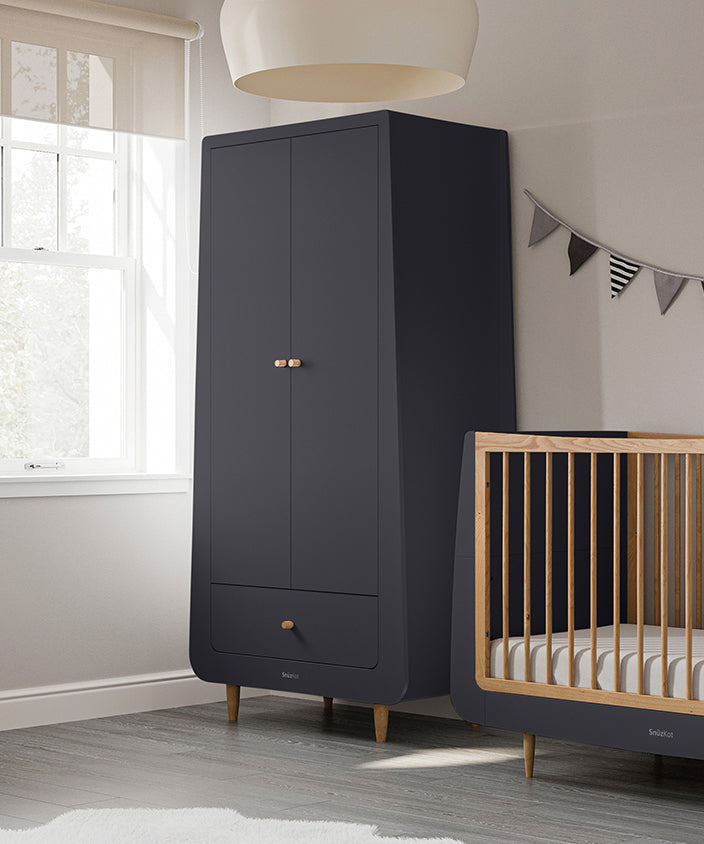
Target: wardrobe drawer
328	628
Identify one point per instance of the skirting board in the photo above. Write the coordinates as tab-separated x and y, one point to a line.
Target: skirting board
102	698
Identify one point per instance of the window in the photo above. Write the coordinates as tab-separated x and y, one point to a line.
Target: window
91	301
95	333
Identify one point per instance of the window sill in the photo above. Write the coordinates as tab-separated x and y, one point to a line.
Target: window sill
45	486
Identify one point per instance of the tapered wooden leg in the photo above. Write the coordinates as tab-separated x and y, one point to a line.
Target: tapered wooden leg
233	702
327	702
381	721
528	753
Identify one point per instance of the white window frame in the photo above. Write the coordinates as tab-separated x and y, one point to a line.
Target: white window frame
82	476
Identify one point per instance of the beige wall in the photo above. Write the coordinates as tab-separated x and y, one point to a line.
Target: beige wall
604	103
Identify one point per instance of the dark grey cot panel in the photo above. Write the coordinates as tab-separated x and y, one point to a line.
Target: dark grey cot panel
328	628
335	335
250	328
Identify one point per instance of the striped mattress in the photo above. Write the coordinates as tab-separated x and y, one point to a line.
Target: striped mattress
676	664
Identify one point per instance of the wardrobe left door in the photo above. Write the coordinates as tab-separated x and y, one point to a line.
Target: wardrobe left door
250	322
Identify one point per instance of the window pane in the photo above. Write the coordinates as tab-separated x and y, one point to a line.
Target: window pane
33	131
34	199
89	90
94	140
105	363
90	205
62	351
34	81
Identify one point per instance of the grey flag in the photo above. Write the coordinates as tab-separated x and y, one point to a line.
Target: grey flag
543	225
667	287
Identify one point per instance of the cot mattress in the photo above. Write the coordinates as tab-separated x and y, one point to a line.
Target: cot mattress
652	661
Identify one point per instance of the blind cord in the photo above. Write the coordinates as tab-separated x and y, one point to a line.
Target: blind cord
193	269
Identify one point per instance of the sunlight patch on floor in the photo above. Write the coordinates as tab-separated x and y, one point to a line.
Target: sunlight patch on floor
442	758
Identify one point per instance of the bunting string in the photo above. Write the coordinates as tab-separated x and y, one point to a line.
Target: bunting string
622	268
641	264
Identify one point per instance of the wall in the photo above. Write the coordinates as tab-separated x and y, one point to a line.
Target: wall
94	596
605	109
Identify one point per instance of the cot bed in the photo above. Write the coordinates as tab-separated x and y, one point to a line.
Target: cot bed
578	603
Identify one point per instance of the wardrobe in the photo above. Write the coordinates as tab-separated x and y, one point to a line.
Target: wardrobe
354	320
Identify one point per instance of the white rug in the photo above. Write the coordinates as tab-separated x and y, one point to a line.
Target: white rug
195	826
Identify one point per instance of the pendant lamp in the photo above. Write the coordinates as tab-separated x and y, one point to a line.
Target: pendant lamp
348	50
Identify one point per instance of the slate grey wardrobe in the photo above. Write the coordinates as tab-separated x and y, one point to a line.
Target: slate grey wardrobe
354	320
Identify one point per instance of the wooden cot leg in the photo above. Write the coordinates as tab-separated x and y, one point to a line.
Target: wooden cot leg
381	721
327	702
233	702
528	753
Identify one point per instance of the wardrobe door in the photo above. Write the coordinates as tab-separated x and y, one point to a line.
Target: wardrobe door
334	403
250	396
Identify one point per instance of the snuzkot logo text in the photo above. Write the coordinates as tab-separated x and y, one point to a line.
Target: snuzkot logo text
661	733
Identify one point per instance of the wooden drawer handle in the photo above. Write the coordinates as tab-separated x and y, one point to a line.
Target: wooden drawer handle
287	625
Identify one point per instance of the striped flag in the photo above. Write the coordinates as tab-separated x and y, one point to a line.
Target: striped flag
621	273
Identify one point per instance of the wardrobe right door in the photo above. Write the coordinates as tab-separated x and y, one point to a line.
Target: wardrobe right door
334	333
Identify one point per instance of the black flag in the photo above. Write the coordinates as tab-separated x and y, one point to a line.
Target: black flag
579	251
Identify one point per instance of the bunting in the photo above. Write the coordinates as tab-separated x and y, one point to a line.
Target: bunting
666	288
579	252
622	270
543	225
621	273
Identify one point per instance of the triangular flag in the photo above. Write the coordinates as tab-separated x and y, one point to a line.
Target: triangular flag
621	273
667	287
579	251
543	225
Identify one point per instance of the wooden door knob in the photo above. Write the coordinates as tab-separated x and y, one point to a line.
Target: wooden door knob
279	363
294	362
287	625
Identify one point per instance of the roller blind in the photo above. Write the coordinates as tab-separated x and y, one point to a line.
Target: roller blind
91	64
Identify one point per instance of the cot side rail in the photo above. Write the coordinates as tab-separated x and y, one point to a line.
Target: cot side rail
534	448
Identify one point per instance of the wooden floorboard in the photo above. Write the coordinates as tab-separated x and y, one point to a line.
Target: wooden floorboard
291	758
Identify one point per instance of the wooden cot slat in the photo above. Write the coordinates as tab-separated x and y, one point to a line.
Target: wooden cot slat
656	538
526	567
592	569
504	562
570	568
632	538
482	515
698	528
678	540
664	591
548	567
688	571
617	571
639	568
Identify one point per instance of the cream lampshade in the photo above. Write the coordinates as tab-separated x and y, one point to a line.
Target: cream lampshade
348	50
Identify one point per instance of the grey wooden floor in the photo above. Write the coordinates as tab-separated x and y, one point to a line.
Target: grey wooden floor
289	758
